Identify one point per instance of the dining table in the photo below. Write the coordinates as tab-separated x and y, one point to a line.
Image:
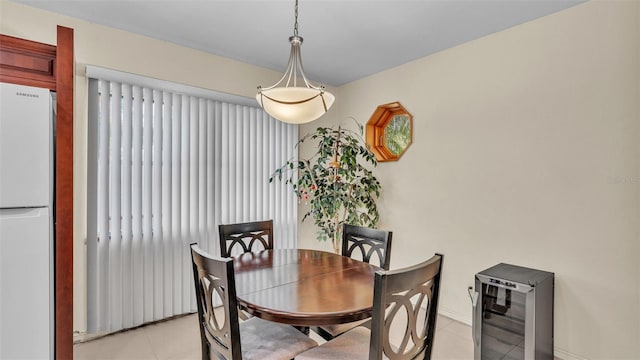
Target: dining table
304	287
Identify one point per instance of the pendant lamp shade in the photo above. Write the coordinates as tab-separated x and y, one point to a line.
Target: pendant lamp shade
295	105
288	102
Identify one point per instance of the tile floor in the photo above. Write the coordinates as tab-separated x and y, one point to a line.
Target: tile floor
180	339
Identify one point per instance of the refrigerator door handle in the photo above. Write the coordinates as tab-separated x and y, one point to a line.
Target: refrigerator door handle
475	320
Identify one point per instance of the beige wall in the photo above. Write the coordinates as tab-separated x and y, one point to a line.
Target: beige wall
526	151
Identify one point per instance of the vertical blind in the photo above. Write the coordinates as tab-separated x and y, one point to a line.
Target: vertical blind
164	170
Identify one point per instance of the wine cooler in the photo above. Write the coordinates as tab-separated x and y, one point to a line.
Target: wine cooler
513	314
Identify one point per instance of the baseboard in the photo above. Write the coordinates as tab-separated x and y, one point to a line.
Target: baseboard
454	315
81	337
566	355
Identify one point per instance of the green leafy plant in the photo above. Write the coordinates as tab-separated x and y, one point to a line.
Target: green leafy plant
335	182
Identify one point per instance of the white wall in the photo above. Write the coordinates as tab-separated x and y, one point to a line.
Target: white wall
526	151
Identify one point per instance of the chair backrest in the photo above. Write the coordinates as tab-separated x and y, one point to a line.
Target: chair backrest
250	236
214	278
366	242
401	293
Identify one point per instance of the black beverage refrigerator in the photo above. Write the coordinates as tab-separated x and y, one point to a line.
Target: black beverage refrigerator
513	314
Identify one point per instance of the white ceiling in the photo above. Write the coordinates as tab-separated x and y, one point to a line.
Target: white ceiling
343	40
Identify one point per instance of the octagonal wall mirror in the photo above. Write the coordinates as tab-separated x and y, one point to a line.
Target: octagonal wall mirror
389	131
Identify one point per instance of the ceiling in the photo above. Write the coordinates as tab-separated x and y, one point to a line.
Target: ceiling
343	40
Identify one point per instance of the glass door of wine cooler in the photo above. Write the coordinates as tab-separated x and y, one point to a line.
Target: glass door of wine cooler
503	323
500	324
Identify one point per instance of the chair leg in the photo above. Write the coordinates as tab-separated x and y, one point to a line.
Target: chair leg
242	315
303	329
323	333
205	351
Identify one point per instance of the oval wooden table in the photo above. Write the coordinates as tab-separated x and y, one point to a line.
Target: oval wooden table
304	287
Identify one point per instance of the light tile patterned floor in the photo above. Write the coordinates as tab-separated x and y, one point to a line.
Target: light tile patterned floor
180	339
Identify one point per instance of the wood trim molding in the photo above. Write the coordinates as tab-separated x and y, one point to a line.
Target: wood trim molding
31	63
64	194
28	63
375	136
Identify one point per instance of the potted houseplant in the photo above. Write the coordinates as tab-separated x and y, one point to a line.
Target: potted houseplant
335	182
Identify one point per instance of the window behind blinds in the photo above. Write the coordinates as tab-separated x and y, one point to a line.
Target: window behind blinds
164	170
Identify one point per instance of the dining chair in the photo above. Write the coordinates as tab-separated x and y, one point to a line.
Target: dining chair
222	336
364	244
246	237
398	295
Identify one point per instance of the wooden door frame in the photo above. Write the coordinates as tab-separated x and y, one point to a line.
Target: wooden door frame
32	63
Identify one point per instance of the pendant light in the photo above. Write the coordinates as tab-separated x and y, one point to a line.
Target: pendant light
294	99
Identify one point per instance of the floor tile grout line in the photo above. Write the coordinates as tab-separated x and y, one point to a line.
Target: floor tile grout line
457	334
146	336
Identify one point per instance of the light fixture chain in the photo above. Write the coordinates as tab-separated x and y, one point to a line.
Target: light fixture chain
295	26
285	100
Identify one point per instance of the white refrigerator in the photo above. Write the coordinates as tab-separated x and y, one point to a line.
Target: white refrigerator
26	223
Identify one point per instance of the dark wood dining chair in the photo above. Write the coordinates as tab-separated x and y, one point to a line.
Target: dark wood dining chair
364	244
222	335
245	237
398	294
249	236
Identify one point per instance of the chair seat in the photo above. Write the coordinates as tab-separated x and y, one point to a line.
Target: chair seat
329	332
352	345
265	340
